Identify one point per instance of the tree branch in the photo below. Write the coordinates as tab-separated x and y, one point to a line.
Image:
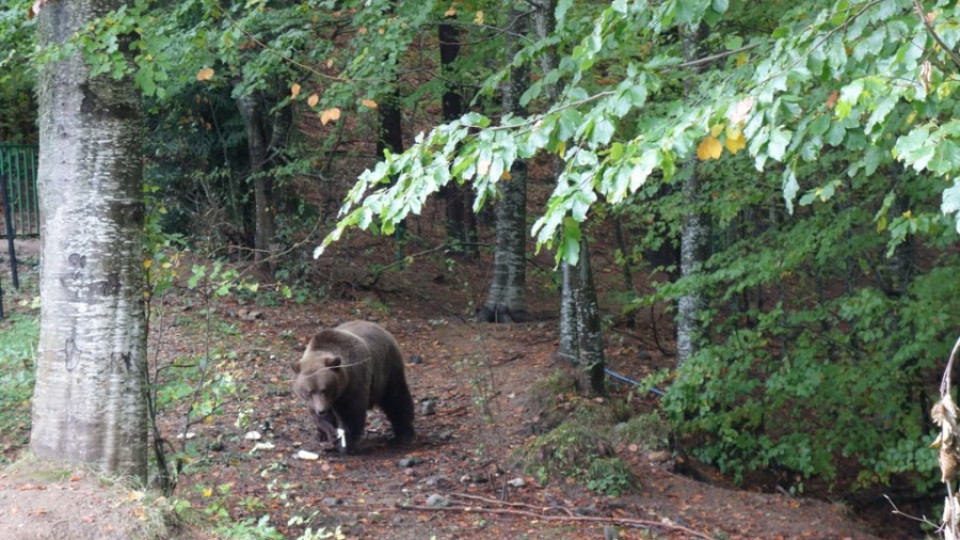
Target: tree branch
933	33
630	522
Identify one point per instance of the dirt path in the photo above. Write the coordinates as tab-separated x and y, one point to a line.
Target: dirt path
455	481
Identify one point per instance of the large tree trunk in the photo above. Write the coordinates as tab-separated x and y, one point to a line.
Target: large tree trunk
89	399
255	122
695	233
507	300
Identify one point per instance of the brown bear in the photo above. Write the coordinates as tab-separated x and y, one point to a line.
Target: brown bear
348	370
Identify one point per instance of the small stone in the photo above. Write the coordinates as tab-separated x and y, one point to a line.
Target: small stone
434	481
188	435
517	482
263	446
330	501
445	435
659	456
472	479
610	533
435	500
310	456
428	407
409	462
415	359
253	436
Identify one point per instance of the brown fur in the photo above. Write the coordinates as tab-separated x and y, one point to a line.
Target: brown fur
347	370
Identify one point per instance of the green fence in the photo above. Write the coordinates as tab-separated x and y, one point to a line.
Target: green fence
18	167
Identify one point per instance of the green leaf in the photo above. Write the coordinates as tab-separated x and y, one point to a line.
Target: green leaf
570	247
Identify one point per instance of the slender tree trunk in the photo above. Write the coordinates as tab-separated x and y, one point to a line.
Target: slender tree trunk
253	119
581	338
693	243
589	333
506	300
460	221
89	401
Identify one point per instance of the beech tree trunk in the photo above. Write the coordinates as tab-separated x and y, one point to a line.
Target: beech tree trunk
507	301
694	234
89	401
255	122
581	337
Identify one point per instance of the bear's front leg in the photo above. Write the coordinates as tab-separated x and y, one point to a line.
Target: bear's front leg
350	429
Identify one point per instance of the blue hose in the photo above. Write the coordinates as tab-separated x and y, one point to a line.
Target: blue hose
620	377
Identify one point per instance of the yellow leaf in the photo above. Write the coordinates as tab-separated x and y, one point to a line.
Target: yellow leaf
362	30
369	103
716	130
329	115
709	148
450	12
205	74
295	90
207	492
734	139
479	18
506	175
147	263
312	100
330	63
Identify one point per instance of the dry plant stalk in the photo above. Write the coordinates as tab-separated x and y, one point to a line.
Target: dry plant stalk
944	414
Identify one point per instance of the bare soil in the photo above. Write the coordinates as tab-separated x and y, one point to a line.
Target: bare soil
457	480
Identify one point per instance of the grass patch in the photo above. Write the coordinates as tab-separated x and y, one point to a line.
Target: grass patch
18	349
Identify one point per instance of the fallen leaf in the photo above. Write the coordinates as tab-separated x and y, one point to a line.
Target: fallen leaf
313	100
295	90
369	103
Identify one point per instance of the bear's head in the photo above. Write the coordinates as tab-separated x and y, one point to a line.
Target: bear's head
321	378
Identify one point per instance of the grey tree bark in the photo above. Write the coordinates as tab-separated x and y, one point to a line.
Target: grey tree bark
507	298
89	399
461	221
581	337
257	139
694	234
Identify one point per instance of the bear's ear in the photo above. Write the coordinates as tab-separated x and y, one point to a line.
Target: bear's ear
333	362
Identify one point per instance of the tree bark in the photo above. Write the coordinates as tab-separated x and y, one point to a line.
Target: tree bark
89	399
460	221
254	120
506	300
581	337
693	242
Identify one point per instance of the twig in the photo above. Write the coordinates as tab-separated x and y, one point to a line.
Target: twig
896	511
511	504
712	58
933	33
630	522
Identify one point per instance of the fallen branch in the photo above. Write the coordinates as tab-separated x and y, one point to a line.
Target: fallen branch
629	522
511	504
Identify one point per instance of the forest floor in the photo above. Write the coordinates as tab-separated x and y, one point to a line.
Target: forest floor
458	479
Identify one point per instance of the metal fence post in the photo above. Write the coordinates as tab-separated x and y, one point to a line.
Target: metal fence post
7	215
